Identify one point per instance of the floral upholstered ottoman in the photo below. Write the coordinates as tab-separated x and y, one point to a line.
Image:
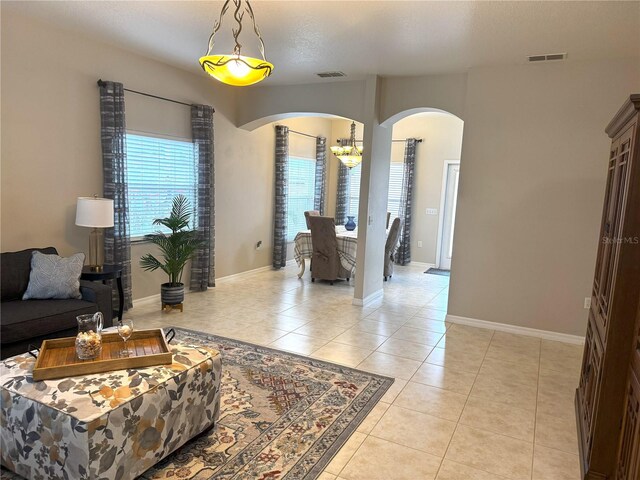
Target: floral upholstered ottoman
112	425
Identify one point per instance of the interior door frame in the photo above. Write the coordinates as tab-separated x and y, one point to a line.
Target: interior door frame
443	194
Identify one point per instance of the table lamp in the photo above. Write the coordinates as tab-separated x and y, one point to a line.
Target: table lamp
96	213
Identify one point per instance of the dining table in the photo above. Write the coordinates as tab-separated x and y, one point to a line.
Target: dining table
347	247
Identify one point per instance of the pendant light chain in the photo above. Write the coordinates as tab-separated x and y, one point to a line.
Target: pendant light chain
256	29
236	69
236	31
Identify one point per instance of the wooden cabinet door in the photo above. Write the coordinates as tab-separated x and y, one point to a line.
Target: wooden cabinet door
629	453
612	217
588	388
608	396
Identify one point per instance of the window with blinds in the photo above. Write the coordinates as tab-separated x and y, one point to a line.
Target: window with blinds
396	172
301	176
158	169
354	191
396	175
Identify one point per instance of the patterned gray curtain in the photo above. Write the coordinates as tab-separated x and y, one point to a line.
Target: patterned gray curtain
321	174
203	272
280	213
113	133
403	254
342	196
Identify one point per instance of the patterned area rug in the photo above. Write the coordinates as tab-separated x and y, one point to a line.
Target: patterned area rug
283	416
437	271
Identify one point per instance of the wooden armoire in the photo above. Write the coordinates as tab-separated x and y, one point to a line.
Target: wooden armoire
608	395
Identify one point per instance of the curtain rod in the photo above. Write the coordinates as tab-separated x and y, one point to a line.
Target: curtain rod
418	140
299	133
101	83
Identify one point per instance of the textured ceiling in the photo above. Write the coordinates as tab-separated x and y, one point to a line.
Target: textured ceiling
362	37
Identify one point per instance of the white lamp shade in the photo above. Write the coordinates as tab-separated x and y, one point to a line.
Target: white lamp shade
94	212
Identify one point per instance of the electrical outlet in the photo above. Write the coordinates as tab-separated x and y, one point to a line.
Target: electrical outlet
419	243
259	245
432	211
587	302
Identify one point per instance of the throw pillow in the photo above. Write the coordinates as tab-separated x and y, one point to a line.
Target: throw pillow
53	276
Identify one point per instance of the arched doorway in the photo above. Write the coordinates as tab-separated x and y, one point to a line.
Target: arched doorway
430	217
303	130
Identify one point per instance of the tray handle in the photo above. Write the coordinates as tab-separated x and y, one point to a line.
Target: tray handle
171	334
30	350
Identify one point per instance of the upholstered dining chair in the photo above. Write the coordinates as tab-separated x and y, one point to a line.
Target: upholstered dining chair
310	213
325	258
390	248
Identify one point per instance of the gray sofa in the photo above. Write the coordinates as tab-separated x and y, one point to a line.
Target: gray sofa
24	322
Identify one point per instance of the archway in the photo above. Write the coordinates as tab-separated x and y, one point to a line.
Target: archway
303	129
432	211
370	194
277	117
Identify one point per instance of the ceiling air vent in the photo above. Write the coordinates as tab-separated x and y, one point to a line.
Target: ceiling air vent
548	57
331	74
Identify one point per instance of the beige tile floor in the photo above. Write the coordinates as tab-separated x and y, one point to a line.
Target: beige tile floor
467	403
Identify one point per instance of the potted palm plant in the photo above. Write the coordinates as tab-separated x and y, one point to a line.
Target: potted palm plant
176	249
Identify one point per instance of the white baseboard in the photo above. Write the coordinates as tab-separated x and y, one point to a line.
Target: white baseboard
505	327
363	302
156	298
244	274
153	298
423	265
146	300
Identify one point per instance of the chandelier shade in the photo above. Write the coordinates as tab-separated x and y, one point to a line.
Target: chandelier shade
233	68
350	155
236	70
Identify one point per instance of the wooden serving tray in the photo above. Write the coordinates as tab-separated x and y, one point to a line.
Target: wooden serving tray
58	359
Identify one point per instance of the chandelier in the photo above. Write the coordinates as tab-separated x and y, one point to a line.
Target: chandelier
350	155
236	69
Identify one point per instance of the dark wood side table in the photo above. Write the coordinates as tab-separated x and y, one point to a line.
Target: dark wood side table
109	272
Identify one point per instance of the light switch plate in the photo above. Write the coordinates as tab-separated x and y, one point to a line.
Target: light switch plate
432	211
419	243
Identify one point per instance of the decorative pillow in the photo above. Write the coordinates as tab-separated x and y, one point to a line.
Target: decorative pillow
53	276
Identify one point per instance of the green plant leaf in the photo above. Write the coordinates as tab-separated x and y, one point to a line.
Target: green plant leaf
176	248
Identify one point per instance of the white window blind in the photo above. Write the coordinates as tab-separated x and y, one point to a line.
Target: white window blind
301	176
158	169
354	191
396	172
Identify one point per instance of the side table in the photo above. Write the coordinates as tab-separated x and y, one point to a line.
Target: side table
109	272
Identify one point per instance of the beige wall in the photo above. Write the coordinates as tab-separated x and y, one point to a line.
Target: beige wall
51	129
530	189
410	94
534	161
260	105
531	182
262	219
51	145
442	140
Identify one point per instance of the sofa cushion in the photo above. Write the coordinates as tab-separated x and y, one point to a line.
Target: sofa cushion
24	319
53	276
14	272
